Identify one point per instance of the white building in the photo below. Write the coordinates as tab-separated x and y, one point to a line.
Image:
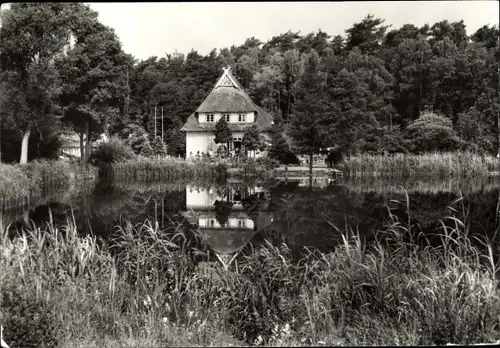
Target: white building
227	99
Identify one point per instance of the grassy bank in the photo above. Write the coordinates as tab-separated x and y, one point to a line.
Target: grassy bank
163	288
29	183
432	164
151	169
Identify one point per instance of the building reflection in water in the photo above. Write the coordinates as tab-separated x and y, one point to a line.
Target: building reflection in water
221	218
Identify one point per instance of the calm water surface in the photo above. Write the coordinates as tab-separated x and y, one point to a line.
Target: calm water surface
235	214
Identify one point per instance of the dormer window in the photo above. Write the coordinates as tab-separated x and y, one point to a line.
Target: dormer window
227	117
241	118
210	117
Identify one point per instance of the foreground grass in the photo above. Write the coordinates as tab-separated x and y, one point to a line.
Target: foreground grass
30	183
431	164
162	288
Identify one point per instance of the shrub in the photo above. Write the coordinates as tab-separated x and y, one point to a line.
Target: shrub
158	147
432	132
115	150
138	141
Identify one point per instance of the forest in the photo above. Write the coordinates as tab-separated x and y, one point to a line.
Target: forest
373	89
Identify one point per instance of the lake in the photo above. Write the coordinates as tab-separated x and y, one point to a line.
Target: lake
235	214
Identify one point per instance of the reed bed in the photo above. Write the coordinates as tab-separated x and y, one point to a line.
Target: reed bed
14	184
431	164
163	287
151	169
28	184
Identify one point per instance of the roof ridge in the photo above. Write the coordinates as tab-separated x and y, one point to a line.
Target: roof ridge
231	78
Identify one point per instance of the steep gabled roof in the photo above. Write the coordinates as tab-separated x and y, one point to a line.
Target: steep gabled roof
227	96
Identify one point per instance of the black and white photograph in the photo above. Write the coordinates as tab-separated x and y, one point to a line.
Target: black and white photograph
249	174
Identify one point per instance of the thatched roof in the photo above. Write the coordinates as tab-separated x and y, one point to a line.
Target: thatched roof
228	96
227	99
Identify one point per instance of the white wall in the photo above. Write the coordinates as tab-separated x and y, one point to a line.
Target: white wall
199	141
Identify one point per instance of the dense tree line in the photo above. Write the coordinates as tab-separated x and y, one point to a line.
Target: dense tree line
374	89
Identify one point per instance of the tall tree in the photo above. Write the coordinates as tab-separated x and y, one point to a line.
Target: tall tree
31	36
267	87
93	74
280	149
367	35
306	127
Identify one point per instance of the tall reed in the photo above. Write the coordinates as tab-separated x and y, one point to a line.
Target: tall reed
151	169
430	164
22	185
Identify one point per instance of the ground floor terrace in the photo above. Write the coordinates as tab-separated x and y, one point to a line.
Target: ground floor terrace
201	144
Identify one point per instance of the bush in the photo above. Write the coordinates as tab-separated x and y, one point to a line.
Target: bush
159	148
115	150
432	132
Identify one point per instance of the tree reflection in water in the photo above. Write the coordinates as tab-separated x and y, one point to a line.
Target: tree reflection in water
232	215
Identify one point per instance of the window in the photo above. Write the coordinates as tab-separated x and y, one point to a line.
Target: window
242	223
227	117
210	117
241	118
211	223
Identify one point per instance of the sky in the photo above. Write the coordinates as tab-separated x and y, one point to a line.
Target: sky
157	28
154	29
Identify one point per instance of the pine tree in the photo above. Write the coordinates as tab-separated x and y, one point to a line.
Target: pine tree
146	149
306	126
159	148
280	150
